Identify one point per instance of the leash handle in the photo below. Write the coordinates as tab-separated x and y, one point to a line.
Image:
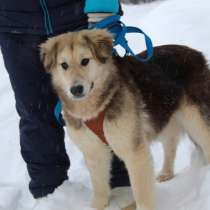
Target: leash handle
129	51
119	30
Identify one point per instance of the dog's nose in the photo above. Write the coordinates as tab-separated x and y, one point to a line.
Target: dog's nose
77	90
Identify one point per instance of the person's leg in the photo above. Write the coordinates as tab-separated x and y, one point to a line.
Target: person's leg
119	173
41	137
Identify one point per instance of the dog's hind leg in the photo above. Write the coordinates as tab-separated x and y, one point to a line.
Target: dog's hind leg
169	149
197	127
170	139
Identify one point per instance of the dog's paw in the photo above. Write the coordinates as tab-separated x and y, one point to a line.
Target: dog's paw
165	176
142	208
130	207
100	203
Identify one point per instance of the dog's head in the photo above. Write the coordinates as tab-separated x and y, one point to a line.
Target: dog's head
79	62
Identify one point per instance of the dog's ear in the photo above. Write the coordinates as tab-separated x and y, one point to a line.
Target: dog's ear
100	42
48	53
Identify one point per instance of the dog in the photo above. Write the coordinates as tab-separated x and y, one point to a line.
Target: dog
139	102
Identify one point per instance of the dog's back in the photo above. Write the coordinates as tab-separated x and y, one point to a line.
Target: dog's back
175	88
174	72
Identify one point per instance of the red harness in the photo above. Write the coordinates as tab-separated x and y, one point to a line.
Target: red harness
96	125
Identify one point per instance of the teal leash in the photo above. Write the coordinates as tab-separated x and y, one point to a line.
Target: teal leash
58	113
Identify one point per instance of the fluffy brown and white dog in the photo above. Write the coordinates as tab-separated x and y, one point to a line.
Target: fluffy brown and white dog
140	102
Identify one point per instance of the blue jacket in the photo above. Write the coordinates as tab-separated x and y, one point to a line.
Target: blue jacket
45	16
27	16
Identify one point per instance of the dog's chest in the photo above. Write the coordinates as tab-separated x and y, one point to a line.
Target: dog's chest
96	126
120	132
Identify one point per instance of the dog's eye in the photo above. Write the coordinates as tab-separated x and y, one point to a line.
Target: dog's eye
85	61
64	65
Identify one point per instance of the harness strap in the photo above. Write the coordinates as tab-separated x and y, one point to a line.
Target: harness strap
96	125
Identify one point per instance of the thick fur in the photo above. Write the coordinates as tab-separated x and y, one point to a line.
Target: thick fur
160	99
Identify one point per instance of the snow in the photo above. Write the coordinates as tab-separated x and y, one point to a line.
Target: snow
166	21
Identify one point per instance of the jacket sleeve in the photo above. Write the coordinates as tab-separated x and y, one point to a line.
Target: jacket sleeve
102	6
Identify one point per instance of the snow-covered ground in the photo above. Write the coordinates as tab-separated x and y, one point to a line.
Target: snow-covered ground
166	21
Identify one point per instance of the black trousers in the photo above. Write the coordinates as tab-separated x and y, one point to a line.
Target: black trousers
41	137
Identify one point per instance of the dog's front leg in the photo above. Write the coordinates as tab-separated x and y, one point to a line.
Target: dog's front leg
98	160
99	164
138	161
139	165
140	169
